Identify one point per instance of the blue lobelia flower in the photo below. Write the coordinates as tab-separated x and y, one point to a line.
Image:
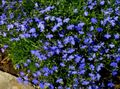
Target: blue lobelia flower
107	36
70	27
60	80
93	20
110	84
20	80
85	13
85	82
114	73
66	20
102	3
99	29
41	85
114	64
116	36
35	81
49	36
32	30
118	59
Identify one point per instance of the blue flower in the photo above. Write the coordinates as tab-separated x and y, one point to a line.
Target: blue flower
107	35
54	28
118	59
25	64
93	77
22	73
35	81
28	61
85	82
82	72
86	13
49	36
26	82
94	20
20	80
59	20
110	84
37	65
41	26
32	30
81	24
114	73
117	36
102	2
99	29
98	76
92	67
70	27
41	85
10	26
60	80
66	20
114	64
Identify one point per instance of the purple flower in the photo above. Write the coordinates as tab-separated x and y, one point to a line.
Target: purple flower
32	30
94	20
102	2
17	66
28	61
35	81
110	84
60	80
62	64
114	64
98	68
82	72
59	20
70	27
117	36
66	20
85	82
93	77
114	73
118	59
107	35
26	82
71	67
81	24
54	28
22	73
41	85
25	78
86	13
98	76
111	45
41	26
37	65
54	68
49	36
25	64
99	29
92	67
10	26
20	80
38	73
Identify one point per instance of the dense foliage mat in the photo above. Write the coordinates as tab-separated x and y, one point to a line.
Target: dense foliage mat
63	44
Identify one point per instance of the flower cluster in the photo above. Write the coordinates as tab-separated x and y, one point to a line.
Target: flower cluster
71	55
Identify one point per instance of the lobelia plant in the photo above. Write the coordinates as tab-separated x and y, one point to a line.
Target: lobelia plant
54	50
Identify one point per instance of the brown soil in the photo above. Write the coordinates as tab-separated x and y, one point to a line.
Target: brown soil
6	64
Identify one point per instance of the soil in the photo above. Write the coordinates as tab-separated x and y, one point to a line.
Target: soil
6	64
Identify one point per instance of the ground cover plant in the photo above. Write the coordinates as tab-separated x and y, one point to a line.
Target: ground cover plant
63	44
